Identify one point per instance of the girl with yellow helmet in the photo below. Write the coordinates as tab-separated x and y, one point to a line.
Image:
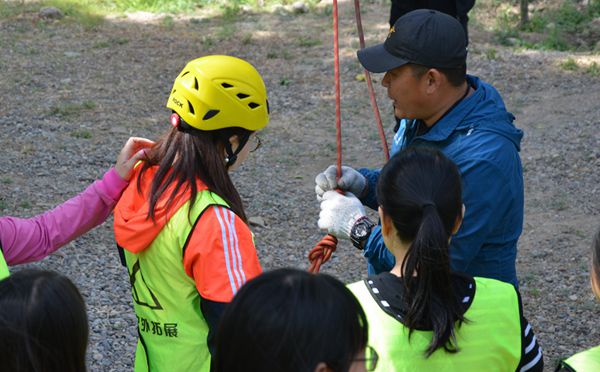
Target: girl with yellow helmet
181	228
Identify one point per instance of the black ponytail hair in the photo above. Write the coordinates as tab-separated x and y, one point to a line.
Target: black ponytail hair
420	190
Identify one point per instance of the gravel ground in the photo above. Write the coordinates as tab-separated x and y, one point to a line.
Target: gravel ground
71	97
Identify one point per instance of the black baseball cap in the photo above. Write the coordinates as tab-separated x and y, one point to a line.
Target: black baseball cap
424	37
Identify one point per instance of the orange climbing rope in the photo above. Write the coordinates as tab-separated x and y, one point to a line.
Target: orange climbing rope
361	38
322	252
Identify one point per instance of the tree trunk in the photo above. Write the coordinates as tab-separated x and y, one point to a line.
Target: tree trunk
524	13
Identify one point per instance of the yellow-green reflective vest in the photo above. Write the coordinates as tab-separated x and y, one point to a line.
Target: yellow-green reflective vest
171	328
489	341
585	361
4	273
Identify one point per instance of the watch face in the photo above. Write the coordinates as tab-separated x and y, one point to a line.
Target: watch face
361	231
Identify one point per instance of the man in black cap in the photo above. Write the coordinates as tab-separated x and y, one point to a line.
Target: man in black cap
424	60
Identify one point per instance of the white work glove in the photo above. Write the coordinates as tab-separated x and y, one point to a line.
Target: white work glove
339	213
351	180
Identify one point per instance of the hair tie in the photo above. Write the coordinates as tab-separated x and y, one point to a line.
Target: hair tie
428	204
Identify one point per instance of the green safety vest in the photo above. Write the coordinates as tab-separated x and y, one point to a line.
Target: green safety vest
172	330
490	340
585	361
4	273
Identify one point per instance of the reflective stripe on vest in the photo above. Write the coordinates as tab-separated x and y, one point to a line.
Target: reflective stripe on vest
490	340
172	330
585	361
4	273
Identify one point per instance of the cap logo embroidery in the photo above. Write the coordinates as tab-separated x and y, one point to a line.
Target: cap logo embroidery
392	30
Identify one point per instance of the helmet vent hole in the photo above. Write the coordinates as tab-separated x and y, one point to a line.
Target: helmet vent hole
191	108
185	73
242	95
253	105
209	114
226	85
195	83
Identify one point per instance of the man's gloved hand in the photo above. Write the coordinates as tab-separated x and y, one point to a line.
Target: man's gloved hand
351	180
339	213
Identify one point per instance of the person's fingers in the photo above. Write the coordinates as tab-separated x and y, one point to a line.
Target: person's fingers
140	155
330	195
321	181
135	144
348	178
319	191
331	175
350	195
324	220
134	150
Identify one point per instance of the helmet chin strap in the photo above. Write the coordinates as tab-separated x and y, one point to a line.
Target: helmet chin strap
231	157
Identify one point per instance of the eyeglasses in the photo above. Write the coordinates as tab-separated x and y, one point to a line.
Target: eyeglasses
255	142
371	358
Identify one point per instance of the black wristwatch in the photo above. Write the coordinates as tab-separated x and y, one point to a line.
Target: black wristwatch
360	232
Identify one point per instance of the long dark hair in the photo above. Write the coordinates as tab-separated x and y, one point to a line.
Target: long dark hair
43	323
420	190
290	320
183	158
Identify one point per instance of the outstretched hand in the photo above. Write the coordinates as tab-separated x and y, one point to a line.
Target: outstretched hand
339	213
133	151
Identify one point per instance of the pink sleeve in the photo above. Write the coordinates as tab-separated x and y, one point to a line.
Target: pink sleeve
31	239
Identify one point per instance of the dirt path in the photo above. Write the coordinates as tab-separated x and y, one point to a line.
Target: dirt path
71	98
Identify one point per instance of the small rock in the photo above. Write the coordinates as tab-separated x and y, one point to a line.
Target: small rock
299	7
279	9
257	221
573	297
51	13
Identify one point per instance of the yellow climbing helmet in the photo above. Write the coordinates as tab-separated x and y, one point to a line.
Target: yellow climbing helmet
216	92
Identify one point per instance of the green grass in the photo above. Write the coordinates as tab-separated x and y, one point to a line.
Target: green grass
491	54
68	109
308	42
562	27
593	69
570	65
110	42
167	23
81	133
90	13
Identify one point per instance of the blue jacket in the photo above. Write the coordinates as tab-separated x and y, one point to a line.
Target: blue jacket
479	136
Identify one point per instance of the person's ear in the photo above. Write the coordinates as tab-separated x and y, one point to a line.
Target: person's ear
433	78
235	142
458	220
386	222
322	367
